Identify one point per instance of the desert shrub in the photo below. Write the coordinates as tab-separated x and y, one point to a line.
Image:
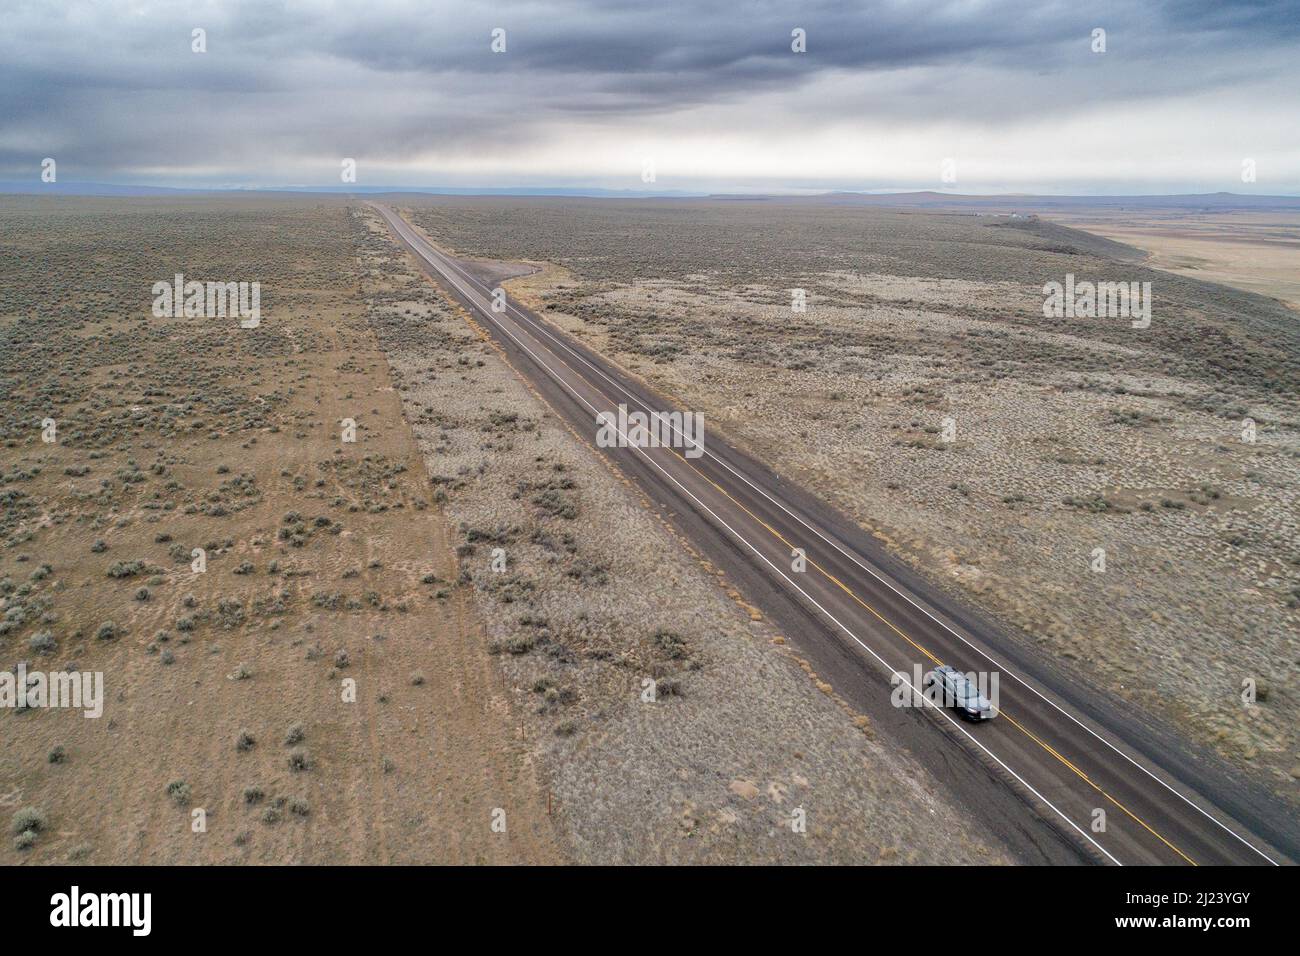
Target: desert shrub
672	645
29	819
518	644
1096	504
230	612
588	573
179	791
125	569
668	687
555	504
42	643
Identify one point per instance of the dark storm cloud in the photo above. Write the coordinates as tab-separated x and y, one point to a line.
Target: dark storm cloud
113	89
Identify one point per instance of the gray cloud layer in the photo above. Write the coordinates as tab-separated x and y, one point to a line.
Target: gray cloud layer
412	89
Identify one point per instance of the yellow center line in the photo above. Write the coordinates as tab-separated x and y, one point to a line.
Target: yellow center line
893	627
1092	784
937	662
1015	723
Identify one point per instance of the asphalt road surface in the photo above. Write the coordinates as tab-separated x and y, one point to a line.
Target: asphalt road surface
1062	773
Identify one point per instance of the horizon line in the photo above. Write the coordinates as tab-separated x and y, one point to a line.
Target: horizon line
15	187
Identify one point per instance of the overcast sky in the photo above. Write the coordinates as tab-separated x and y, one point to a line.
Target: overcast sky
588	92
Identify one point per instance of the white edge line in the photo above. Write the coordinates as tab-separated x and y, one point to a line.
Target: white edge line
893	671
872	571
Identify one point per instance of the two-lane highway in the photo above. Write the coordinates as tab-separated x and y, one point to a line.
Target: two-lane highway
1112	784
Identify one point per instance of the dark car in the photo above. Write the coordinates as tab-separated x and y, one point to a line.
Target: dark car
961	694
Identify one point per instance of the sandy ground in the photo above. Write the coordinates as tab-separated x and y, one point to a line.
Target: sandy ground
1257	252
197	434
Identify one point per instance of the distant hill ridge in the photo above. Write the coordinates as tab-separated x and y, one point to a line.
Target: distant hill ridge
1002	202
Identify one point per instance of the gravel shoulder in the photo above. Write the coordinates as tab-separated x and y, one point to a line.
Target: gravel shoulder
670	721
1072	440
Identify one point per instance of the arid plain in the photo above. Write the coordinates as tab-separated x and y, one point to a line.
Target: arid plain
1123	498
496	596
348	678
